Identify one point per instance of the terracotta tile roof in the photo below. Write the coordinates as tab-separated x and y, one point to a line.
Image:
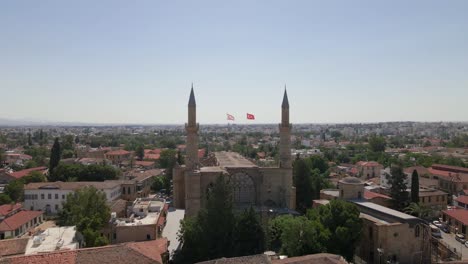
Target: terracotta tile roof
117	152
449	168
141	175
71	185
148	252
321	258
8	208
368	164
22	173
18	219
460	215
253	259
371	195
454	176
152	249
15	246
152	156
63	257
144	163
462	199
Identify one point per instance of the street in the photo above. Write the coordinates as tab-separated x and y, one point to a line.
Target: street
172	227
454	244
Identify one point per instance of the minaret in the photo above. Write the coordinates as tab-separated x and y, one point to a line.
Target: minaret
285	134
192	134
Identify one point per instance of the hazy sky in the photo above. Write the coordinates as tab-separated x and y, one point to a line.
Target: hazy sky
134	61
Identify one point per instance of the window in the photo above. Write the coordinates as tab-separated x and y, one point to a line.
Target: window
32	208
128	189
56	207
49	196
148	236
423	199
429	199
42	196
443	198
56	196
115	235
63	196
123	190
437	198
359	195
417	230
370	232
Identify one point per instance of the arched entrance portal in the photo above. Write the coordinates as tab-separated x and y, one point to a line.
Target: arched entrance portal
243	189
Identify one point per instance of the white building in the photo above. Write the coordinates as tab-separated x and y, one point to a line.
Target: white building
54	238
49	196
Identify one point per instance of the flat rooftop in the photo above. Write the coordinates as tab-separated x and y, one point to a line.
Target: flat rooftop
232	159
53	238
379	211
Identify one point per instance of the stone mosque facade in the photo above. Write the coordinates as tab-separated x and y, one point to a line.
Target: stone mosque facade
264	188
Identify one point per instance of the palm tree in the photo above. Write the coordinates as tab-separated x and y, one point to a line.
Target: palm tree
418	210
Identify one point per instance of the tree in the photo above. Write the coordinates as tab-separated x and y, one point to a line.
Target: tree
54	155
377	143
4	199
14	190
415	187
418	210
398	186
210	234
87	209
167	159
34	176
30	143
249	238
341	219
302	236
140	152
317	162
303	182
159	183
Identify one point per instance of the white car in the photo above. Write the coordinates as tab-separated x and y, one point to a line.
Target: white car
437	223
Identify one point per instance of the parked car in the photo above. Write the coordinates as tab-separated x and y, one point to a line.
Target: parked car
460	238
435	231
445	229
437	223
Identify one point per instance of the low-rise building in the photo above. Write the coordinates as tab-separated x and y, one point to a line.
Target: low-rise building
20	223
53	239
144	179
49	196
8	210
457	220
388	235
118	156
434	199
143	223
461	202
368	169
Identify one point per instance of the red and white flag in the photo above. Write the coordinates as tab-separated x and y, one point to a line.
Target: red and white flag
230	117
250	116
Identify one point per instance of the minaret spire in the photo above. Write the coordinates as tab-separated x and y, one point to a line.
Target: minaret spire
192	133
285	134
285	103
192	98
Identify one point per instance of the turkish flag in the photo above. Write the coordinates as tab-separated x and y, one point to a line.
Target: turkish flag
250	116
230	117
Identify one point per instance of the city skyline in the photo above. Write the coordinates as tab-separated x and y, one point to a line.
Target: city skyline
115	62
